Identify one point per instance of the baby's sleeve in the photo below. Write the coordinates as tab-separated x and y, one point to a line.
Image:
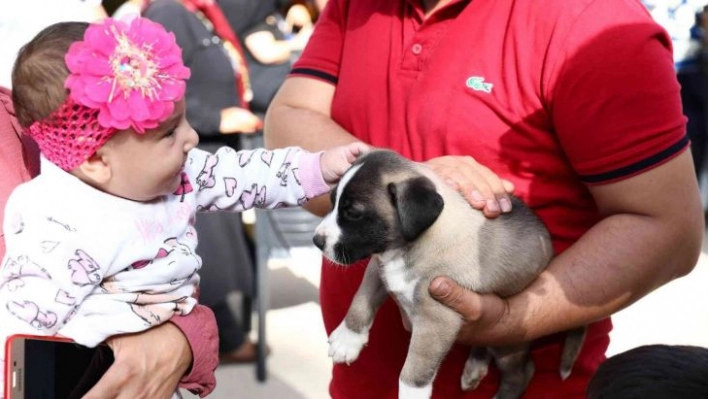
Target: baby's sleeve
267	179
46	273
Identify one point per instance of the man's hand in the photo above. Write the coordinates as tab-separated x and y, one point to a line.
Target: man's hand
478	184
147	365
486	318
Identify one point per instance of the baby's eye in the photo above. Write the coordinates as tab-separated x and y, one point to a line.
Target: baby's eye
171	132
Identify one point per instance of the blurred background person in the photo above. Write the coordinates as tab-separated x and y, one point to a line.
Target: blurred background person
682	20
270	39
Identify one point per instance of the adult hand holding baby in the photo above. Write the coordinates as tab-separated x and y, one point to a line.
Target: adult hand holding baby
148	365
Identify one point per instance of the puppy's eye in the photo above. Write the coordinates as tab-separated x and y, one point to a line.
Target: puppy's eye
351	214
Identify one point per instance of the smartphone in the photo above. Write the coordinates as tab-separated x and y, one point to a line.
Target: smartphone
39	367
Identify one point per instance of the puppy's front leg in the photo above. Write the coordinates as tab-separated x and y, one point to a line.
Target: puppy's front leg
347	340
434	332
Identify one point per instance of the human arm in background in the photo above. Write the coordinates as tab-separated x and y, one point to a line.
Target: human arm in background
238	120
297	17
267	48
225	121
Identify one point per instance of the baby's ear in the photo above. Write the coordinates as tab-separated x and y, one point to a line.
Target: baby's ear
96	169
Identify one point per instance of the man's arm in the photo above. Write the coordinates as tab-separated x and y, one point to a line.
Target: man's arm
651	233
300	115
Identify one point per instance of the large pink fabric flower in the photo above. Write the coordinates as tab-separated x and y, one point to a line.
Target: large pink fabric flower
131	72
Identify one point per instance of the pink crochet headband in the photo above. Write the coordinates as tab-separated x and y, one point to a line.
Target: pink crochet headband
122	76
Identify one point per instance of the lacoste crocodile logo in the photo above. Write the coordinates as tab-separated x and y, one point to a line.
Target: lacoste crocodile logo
477	83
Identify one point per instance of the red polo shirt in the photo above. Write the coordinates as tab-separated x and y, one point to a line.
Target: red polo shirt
551	95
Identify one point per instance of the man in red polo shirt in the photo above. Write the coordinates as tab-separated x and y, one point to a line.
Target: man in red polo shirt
573	101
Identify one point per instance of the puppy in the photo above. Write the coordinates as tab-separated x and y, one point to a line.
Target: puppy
415	227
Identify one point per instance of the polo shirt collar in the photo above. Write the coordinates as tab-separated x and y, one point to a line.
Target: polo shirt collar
418	6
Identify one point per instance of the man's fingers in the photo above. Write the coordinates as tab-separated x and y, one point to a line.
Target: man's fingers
459	299
508	186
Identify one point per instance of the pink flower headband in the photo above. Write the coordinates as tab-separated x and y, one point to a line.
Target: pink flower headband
132	74
122	75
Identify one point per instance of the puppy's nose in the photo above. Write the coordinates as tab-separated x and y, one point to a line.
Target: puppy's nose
319	240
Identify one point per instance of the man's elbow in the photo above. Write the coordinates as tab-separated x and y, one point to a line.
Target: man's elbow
690	243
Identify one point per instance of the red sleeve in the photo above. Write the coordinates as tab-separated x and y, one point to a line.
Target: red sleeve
200	329
615	100
19	156
321	57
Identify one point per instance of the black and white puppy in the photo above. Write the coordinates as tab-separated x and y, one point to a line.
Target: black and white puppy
415	228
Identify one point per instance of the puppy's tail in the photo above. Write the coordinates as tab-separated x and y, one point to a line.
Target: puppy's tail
571	348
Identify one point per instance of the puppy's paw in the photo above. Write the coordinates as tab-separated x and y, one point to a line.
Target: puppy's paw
475	370
472	376
406	391
345	344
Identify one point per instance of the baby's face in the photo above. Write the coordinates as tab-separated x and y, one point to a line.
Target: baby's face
147	166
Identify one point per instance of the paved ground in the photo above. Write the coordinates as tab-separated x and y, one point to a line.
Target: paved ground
300	369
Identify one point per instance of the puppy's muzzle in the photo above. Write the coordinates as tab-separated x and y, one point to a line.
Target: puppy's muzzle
319	240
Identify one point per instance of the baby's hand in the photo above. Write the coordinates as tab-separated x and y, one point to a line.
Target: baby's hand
337	160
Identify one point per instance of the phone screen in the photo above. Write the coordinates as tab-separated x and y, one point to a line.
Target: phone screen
56	370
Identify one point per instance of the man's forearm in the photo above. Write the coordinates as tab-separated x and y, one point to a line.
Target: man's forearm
289	124
311	130
617	262
300	115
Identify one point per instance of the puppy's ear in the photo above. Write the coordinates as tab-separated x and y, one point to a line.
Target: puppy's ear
418	205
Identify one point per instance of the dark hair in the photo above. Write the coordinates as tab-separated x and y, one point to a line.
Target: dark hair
653	372
40	71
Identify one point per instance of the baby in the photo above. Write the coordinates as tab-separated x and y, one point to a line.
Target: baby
102	242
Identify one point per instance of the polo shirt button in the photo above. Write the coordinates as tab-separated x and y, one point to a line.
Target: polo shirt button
417	48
